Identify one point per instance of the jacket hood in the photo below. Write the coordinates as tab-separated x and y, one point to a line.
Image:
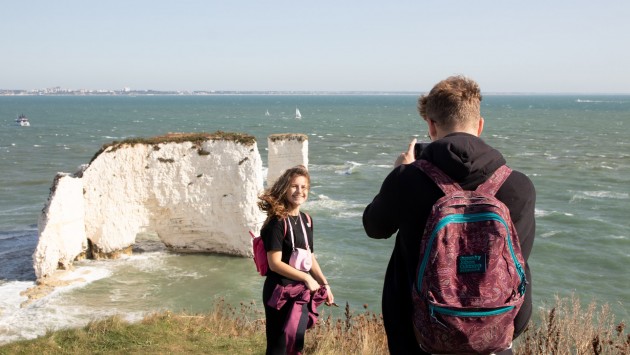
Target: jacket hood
464	157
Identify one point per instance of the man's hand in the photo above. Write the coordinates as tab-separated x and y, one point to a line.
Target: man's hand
408	156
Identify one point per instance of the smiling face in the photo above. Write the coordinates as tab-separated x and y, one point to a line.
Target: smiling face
297	192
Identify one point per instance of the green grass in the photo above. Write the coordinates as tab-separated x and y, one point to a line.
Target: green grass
566	328
196	138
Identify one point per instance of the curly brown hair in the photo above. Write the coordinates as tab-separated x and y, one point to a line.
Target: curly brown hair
274	200
453	102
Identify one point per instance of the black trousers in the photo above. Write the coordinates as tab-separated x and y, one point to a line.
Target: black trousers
275	320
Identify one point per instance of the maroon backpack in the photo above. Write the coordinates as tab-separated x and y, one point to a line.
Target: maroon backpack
470	281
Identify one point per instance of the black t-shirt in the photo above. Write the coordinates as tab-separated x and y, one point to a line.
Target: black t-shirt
275	238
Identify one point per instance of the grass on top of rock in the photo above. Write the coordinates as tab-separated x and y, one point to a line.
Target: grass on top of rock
196	138
288	137
567	328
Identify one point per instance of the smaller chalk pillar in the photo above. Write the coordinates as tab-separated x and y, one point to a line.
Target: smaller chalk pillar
285	151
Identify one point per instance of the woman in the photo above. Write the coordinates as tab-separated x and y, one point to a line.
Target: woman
290	285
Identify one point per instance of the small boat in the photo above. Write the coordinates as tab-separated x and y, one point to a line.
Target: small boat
267	113
298	115
22	120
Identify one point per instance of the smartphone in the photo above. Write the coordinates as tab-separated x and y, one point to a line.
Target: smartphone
417	150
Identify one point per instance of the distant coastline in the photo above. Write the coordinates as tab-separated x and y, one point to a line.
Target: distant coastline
57	91
127	92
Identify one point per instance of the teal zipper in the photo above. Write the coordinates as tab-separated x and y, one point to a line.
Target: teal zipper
462	313
474	217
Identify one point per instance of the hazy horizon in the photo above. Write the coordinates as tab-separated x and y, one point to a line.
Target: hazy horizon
406	46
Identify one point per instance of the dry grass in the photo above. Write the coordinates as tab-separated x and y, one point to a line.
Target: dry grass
196	138
362	333
567	328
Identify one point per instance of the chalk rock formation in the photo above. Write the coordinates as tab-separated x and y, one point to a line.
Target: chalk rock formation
285	151
196	192
61	226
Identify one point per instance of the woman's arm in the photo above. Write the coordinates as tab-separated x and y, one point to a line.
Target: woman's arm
317	273
274	258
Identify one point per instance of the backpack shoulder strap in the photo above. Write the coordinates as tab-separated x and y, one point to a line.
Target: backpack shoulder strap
308	220
443	181
493	184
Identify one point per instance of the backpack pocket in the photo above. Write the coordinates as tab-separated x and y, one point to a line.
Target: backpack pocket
476	330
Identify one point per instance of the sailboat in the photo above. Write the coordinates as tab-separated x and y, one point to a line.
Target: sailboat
267	113
22	120
298	115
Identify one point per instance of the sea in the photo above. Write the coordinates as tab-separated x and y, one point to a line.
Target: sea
575	148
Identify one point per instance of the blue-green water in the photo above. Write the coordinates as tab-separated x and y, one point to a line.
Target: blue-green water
574	148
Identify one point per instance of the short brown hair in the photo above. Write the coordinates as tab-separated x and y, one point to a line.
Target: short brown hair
453	102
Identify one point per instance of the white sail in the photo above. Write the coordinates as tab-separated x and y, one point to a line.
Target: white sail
267	113
298	115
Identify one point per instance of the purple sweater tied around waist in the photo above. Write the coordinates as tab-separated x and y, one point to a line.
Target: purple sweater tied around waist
299	295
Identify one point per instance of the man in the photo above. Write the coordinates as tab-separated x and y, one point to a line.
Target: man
452	113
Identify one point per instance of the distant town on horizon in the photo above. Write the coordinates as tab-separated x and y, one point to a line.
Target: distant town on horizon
58	91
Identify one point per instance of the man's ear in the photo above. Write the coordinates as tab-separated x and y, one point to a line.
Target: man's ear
432	129
480	127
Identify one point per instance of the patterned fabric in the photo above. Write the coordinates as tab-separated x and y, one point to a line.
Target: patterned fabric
470	282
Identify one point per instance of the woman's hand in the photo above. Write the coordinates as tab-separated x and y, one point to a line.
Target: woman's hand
311	283
330	299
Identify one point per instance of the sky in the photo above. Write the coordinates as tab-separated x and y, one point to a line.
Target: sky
550	46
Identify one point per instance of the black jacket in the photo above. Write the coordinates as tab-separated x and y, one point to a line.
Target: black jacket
403	205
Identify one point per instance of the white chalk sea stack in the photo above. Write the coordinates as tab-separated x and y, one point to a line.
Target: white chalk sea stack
196	192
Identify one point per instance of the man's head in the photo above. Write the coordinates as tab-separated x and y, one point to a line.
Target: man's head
453	105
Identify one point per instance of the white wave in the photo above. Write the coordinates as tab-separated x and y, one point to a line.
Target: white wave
323	202
34	319
350	214
53	311
591	195
526	154
82	276
340	209
10	300
599	101
542	213
349	168
549	234
498	136
539	213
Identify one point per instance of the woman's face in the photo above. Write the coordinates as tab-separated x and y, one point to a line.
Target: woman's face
298	191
